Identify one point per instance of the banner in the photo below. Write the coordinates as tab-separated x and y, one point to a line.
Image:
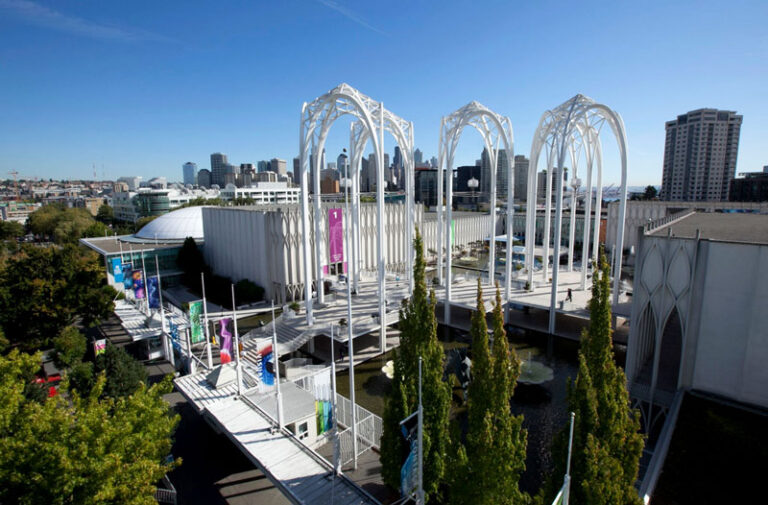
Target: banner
335	235
321	387
117	270
127	276
409	427
153	292
99	346
225	340
196	322
138	285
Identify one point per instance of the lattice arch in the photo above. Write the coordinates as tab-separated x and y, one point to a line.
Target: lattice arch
496	130
567	130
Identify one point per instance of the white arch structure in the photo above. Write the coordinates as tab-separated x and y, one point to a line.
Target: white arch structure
373	120
495	130
570	129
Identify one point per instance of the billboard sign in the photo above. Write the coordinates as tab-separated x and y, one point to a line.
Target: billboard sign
197	334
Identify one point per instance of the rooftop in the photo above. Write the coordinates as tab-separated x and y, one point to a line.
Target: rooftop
747	228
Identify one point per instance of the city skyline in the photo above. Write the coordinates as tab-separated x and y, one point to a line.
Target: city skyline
133	94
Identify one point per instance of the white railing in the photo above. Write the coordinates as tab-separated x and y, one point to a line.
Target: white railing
666	220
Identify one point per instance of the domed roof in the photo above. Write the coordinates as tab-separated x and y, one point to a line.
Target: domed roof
174	226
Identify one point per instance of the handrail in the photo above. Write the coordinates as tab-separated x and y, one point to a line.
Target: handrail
661	222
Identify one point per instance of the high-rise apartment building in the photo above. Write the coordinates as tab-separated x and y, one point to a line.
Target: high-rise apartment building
700	155
502	173
418	156
204	178
218	168
190	173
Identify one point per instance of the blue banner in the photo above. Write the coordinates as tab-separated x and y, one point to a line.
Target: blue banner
127	276
153	292
408	473
117	270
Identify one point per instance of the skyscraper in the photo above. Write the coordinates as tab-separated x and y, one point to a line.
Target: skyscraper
700	155
521	177
418	156
341	164
204	178
278	166
297	170
502	168
218	168
262	166
190	172
433	162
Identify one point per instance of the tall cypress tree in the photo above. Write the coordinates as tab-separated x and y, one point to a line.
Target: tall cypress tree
607	443
487	469
418	338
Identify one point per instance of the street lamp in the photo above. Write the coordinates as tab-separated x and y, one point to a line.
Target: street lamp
473	183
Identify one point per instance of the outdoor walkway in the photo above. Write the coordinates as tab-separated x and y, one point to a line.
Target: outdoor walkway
301	474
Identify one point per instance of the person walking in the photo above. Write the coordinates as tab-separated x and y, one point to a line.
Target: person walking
569	296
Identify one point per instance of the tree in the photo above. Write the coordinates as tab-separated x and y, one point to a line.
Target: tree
105	214
650	192
44	289
418	338
10	230
69	347
82	449
124	375
488	468
143	221
248	292
607	443
191	262
63	224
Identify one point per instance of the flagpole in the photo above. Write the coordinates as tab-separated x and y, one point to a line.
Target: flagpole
276	363
420	495
238	369
351	349
567	483
192	367
336	458
144	275
207	331
163	334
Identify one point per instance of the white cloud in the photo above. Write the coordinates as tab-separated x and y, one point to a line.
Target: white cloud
349	15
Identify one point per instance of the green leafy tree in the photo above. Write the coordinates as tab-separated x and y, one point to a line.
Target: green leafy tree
191	262
105	214
607	443
11	230
487	470
83	449
248	292
65	225
69	347
44	289
418	337
124	375
650	192
143	221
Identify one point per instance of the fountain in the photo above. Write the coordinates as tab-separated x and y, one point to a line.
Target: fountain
534	373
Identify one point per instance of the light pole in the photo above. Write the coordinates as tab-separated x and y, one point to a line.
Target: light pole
474	184
575	185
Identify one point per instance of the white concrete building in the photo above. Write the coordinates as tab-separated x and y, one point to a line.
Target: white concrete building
263	192
699	318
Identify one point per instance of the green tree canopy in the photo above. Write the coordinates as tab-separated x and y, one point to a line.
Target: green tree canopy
11	230
607	443
83	449
650	192
418	337
69	347
105	214
64	225
124	375
44	289
487	469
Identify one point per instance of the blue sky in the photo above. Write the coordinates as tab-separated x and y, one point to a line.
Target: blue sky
140	87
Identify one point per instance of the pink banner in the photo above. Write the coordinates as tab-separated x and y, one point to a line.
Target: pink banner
335	235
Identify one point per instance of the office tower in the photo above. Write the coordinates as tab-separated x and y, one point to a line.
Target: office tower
297	170
463	175
521	177
418	156
190	172
262	166
341	164
433	162
278	166
204	178
502	173
331	166
700	155
218	168
364	169
425	186
541	185
371	174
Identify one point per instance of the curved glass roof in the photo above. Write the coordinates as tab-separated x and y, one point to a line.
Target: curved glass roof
174	226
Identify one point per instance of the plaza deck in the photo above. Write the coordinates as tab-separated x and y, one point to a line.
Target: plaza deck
302	475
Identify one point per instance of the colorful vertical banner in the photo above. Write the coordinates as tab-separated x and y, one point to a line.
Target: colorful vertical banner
99	346
225	340
138	284
336	235
453	232
321	387
409	471
117	270
197	334
127	276
267	365
153	292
